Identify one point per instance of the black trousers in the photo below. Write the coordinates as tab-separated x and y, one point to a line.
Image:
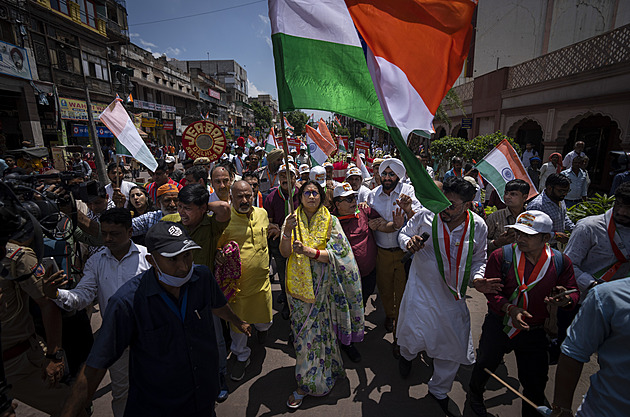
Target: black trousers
368	283
530	348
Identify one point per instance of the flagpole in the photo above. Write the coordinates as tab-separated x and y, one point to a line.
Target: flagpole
285	148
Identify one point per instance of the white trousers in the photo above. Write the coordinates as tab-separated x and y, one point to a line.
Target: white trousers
444	372
119	374
239	341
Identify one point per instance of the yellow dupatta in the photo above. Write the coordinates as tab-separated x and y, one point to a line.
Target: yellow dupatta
315	235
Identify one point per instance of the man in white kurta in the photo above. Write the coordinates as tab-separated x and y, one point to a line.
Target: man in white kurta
433	315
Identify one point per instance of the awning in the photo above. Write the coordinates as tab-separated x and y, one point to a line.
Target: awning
32	152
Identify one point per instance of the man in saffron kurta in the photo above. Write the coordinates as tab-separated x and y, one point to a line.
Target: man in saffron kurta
248	227
433	312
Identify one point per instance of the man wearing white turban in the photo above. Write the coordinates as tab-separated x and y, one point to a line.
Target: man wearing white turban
391	196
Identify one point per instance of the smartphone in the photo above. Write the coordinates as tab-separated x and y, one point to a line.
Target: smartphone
50	265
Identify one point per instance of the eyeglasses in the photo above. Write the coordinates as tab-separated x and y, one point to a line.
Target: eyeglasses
349	199
310	193
388	174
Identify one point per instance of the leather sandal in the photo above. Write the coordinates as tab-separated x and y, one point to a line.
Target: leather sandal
297	400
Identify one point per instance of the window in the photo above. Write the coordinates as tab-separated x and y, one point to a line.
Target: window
95	67
157	80
145	75
88	12
59	5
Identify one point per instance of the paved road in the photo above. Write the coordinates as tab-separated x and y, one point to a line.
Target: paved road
373	387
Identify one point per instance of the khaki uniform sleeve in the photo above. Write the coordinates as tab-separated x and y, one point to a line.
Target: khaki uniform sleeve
24	264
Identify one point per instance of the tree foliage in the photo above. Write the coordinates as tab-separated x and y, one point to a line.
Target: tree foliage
298	120
599	204
445	148
262	115
451	100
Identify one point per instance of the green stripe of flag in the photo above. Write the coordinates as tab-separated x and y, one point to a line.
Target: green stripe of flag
426	191
319	75
493	176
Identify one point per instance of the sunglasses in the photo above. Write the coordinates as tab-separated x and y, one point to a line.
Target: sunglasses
310	193
349	199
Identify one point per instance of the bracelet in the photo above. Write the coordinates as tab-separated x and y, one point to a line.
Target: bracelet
285	236
316	254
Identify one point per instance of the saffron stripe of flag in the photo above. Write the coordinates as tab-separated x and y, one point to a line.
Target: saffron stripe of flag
318	147
502	165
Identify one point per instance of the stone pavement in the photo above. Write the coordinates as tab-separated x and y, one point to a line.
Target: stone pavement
373	387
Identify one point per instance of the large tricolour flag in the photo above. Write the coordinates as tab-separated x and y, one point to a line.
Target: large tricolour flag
118	121
502	165
320	64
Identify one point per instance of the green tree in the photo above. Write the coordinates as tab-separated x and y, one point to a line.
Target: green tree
363	132
298	120
451	100
445	148
262	115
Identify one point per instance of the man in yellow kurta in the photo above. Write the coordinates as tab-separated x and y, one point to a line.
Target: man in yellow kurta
252	301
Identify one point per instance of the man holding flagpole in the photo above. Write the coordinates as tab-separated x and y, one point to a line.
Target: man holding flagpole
434	316
521	280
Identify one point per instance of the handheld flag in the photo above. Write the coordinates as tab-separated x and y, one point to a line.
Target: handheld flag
288	126
129	99
117	120
271	143
318	147
251	141
322	129
501	165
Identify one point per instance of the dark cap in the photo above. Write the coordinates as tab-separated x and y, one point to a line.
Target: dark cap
168	239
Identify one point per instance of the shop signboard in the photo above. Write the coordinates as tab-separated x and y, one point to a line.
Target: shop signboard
14	61
204	139
361	146
147	105
71	109
148	122
81	131
214	94
167	124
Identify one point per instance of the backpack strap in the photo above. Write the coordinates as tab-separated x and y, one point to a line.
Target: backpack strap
508	251
558	260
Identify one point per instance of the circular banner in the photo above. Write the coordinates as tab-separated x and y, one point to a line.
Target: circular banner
204	139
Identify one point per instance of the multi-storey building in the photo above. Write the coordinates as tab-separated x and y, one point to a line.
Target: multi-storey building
268	101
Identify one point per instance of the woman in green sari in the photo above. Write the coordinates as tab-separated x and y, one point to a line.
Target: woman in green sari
324	293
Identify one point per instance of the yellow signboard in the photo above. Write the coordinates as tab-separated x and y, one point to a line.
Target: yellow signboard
148	122
71	109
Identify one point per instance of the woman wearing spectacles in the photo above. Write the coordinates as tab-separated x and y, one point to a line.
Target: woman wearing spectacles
322	276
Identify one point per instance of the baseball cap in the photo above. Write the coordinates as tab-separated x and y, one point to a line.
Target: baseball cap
283	168
169	159
343	190
167	188
168	239
327	164
304	168
353	171
532	222
201	161
318	174
258	149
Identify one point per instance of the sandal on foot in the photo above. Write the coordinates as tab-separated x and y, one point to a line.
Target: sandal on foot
297	400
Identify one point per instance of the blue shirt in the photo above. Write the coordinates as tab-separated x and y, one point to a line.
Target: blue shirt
618	180
578	184
558	213
144	222
603	326
173	363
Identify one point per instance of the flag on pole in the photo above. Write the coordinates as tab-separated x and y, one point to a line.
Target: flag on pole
337	122
501	165
318	147
364	171
251	141
129	99
117	120
322	129
271	143
318	50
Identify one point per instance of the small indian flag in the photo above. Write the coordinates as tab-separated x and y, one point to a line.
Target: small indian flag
251	141
318	147
322	129
502	165
271	143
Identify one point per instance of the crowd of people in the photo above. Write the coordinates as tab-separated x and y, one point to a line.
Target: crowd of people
180	269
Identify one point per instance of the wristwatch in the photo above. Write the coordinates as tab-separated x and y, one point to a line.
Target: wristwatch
57	356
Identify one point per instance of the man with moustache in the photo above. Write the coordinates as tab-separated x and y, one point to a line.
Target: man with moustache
167	197
221	180
268	174
252	302
391	276
514	196
434	316
277	206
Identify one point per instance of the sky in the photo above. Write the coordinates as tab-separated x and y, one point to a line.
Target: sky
239	33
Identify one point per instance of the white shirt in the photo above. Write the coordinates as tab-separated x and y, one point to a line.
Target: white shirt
567	162
590	250
363	193
239	163
125	187
430	317
181	155
103	275
385	205
526	156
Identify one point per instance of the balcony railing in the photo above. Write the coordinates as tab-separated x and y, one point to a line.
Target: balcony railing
601	51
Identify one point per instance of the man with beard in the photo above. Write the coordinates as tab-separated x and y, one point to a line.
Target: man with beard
434	316
391	276
118	261
277	206
167	197
599	246
551	202
252	302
